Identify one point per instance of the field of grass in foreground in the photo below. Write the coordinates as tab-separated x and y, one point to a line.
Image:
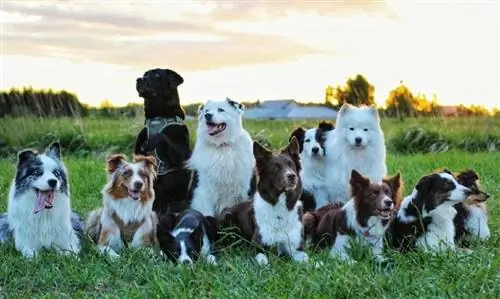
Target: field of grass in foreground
140	275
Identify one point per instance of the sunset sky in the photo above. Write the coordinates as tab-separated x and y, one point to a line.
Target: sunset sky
250	50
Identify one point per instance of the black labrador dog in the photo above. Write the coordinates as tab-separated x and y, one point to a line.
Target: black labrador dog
165	136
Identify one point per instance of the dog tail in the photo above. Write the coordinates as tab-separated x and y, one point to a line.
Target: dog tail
93	225
5	230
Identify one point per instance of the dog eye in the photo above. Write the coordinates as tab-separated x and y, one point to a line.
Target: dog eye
307	140
365	129
127	173
220	110
351	128
142	174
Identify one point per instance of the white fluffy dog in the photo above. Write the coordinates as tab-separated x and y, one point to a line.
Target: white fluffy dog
39	211
356	143
222	158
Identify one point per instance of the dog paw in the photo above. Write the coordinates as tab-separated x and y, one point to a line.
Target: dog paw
28	253
212	260
300	256
261	259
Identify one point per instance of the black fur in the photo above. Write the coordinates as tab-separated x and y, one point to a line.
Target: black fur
158	87
189	219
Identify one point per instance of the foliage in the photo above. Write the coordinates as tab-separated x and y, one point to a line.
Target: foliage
357	91
43	103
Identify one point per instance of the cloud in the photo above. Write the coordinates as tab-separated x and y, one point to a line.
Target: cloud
187	36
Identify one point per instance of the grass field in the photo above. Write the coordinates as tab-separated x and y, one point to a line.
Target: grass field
140	275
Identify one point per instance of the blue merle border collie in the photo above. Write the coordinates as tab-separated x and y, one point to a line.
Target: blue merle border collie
312	159
39	211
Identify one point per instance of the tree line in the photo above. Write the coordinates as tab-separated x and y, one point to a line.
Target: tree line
41	103
400	103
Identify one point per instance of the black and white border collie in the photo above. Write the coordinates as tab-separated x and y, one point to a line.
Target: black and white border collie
39	210
471	221
222	158
425	218
365	216
186	236
273	218
312	160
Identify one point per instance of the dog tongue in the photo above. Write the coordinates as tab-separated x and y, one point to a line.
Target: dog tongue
211	128
43	198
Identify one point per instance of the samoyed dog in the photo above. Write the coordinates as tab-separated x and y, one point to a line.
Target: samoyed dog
222	159
39	211
356	143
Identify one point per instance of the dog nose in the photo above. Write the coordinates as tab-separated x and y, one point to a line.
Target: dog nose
138	185
208	116
387	202
291	177
52	183
315	150
358	140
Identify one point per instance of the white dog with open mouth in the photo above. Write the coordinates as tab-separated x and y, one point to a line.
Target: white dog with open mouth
222	158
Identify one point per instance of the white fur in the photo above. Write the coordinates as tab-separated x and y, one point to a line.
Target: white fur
404	205
477	223
128	211
279	226
312	173
374	228
49	227
224	162
440	235
342	156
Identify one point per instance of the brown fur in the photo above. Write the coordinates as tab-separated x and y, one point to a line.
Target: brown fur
119	175
368	199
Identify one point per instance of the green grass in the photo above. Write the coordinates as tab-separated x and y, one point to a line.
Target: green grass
138	274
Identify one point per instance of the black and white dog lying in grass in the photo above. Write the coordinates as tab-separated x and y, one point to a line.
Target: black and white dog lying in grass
39	210
187	236
425	218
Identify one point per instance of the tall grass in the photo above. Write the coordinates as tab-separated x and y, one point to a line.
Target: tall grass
83	136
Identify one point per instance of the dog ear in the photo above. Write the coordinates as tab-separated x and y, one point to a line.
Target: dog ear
326	126
358	182
167	221
467	177
174	78
149	161
446	170
25	155
425	183
374	110
299	134
115	161
239	107
396	184
343	110
54	150
260	152
200	108
292	148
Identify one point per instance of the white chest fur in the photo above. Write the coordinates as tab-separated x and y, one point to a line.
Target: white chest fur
224	175
277	224
477	223
440	233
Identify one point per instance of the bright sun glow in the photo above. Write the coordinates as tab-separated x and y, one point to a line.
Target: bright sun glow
447	48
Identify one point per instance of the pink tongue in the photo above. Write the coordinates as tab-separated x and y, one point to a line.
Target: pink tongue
40	201
211	128
43	198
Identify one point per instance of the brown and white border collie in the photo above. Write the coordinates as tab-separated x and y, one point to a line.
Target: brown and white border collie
184	237
273	218
126	217
471	221
425	218
365	216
